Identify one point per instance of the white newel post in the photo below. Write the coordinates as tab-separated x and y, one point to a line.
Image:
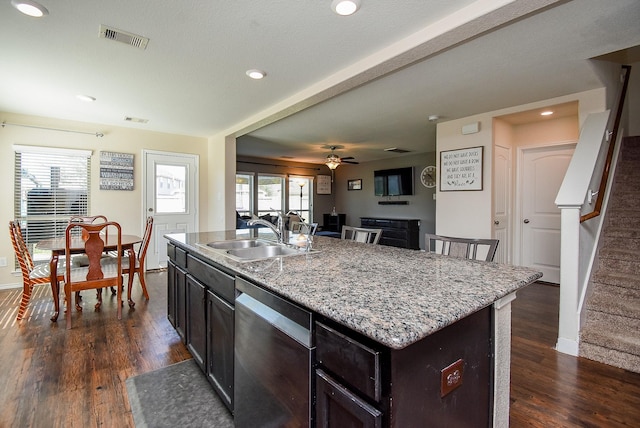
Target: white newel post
569	324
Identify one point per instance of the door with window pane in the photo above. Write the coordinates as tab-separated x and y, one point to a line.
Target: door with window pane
171	197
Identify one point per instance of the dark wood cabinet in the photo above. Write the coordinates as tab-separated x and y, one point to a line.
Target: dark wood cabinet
337	406
196	321
220	336
181	303
333	223
171	293
396	232
201	309
360	383
176	290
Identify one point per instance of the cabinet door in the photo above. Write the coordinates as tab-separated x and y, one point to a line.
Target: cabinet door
196	321
338	407
180	279
171	293
220	335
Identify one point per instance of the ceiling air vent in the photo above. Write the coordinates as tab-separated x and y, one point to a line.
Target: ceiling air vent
135	119
396	150
123	37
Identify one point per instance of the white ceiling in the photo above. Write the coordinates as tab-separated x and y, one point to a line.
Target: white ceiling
382	71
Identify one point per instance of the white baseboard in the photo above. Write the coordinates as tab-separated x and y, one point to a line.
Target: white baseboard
567	346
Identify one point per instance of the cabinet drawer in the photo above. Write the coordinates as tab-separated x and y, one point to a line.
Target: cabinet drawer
215	280
353	362
181	258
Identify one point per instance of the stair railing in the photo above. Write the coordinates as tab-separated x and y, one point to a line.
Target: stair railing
579	240
612	137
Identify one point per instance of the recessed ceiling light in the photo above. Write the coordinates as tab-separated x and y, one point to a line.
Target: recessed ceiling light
86	98
345	7
546	113
30	8
256	74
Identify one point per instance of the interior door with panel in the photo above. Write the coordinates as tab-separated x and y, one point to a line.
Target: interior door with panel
502	202
171	196
543	169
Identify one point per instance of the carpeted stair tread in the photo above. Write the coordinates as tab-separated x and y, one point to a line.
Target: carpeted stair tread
612	331
622	202
618	253
611	357
621	232
615	300
617	279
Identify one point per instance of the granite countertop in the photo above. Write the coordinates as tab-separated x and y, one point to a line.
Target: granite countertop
392	295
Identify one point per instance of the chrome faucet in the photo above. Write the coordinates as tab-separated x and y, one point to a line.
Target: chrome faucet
277	229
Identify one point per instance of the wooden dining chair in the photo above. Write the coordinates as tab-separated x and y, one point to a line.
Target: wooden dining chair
461	247
361	234
88	219
32	274
138	263
98	274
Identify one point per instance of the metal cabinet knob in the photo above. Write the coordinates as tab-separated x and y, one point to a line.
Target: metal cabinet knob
496	222
526	220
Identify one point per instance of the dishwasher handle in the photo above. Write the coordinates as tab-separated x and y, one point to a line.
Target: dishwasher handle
284	315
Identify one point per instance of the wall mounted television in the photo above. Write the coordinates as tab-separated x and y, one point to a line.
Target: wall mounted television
393	182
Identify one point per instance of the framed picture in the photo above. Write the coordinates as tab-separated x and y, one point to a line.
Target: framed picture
116	171
354	184
461	169
324	185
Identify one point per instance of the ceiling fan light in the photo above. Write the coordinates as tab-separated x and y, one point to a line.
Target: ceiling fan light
345	7
30	8
333	161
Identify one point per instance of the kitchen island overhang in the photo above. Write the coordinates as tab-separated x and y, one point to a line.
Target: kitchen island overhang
393	296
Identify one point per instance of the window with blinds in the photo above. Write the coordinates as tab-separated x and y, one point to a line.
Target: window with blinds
51	185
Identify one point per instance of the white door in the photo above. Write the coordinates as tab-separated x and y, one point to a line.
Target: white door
543	170
171	197
502	203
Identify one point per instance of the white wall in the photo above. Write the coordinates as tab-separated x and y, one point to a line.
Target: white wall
469	213
122	206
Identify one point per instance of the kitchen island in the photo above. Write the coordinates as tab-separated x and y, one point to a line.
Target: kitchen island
430	334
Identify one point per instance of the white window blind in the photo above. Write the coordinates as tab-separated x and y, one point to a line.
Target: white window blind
51	185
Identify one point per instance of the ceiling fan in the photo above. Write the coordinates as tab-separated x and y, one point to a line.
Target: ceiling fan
333	160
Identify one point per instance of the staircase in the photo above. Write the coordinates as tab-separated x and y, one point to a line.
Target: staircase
611	332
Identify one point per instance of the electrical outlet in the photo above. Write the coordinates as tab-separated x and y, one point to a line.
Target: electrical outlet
451	377
3	262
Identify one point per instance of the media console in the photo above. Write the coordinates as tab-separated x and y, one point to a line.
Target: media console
396	232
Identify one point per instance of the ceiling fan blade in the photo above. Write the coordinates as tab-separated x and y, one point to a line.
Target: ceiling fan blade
351	162
347	158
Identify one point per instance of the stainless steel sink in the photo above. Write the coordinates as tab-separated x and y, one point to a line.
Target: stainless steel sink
263	252
236	244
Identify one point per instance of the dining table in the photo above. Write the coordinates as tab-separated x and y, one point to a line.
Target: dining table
57	246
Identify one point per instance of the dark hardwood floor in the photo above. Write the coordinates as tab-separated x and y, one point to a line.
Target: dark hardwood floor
551	389
53	377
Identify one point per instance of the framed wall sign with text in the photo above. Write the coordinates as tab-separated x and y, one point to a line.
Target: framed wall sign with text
324	185
461	169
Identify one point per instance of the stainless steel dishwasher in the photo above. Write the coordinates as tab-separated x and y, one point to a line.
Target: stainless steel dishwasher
273	360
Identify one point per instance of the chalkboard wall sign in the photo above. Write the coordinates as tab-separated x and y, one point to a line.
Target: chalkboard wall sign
461	169
116	171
